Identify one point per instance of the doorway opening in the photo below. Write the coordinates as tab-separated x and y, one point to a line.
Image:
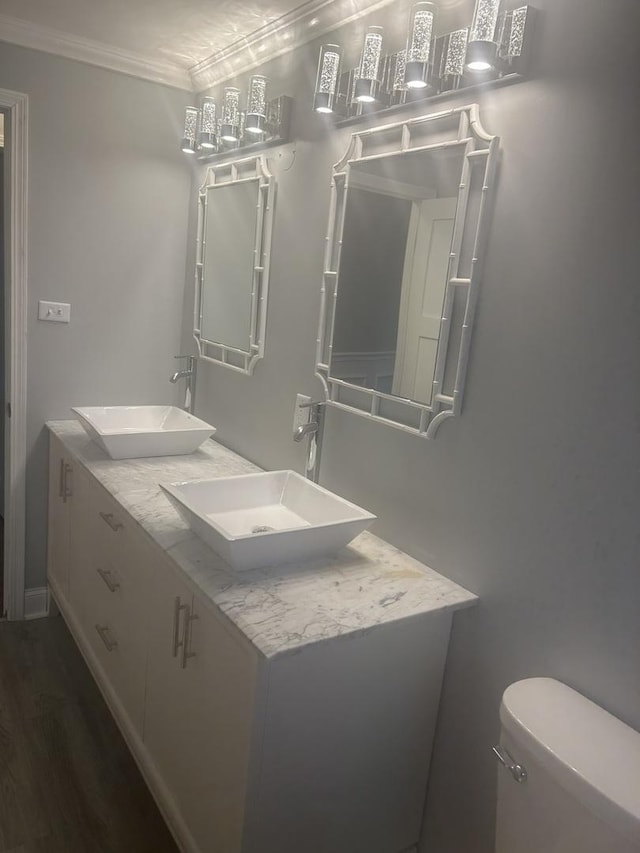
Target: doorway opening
14	110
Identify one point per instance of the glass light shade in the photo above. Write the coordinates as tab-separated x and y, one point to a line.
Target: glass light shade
256	105
511	41
207	135
455	53
327	78
367	82
482	48
400	62
421	28
188	144
230	128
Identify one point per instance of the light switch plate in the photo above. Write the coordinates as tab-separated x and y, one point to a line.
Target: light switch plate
54	312
301	416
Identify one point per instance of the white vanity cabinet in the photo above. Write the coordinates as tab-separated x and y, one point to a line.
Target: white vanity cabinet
283	711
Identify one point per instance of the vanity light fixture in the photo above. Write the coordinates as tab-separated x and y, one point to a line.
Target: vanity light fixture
256	106
367	84
230	127
421	29
207	135
188	144
327	78
482	48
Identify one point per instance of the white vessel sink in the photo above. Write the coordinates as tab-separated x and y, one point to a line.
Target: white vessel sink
256	520
128	432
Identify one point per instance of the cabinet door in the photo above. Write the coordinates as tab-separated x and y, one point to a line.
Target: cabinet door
198	712
60	496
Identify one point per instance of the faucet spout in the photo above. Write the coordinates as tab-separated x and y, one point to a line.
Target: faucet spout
305	429
180	374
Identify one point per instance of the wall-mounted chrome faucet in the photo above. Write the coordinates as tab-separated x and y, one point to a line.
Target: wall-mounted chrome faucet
187	373
312	429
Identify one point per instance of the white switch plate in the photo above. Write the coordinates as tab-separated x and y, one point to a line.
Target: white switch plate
55	312
301	416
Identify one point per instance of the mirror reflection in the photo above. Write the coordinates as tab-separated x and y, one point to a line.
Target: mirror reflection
399	219
228	258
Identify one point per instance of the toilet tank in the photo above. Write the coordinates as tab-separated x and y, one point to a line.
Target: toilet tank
582	787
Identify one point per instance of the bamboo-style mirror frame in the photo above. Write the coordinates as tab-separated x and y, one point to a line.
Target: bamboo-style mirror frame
479	151
226	174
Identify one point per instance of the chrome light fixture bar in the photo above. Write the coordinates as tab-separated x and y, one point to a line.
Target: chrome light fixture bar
421	30
493	50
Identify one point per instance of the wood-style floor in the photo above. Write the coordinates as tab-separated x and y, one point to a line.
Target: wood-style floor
68	783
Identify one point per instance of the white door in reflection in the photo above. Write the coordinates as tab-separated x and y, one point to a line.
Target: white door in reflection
424	282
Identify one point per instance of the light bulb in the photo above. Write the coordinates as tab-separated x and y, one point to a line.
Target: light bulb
327	78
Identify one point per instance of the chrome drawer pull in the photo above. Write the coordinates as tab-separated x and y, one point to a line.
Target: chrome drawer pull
186	642
67	491
103	633
177	607
61	484
111	520
518	772
105	574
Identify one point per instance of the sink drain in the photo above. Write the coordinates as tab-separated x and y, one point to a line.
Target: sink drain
261	528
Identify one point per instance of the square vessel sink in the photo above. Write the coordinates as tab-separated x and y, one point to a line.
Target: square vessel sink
129	432
256	520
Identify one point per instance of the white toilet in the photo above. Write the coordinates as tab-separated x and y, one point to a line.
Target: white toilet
571	776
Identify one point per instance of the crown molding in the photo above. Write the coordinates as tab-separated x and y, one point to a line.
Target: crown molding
54	41
287	33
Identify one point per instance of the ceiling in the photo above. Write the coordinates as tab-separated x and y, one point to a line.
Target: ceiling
192	44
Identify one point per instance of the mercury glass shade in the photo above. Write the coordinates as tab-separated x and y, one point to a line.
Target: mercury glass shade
511	41
367	82
327	78
188	143
230	128
256	105
453	59
207	135
482	48
421	28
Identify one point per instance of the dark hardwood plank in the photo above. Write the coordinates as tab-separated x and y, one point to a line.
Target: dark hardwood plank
67	780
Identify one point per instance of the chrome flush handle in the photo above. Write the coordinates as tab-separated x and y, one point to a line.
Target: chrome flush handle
517	770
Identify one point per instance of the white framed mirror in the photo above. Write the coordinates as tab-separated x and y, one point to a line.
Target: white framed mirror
235	224
407	228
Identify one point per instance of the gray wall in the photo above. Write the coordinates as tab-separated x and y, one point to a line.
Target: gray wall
108	207
532	498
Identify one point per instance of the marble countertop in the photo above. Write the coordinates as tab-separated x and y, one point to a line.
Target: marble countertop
279	609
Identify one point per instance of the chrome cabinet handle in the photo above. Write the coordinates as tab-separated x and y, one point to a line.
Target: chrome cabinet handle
61	476
177	608
186	642
518	772
111	520
109	643
105	574
67	487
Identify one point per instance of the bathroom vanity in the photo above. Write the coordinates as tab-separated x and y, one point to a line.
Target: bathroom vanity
271	711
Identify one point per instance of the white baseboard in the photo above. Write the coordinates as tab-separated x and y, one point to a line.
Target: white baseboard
36	602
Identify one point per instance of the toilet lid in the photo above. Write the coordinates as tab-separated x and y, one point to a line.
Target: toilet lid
587	750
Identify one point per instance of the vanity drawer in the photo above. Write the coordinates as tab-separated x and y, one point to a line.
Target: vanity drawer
109	590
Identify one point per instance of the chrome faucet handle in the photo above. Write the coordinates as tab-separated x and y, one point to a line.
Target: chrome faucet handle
312	403
190	358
